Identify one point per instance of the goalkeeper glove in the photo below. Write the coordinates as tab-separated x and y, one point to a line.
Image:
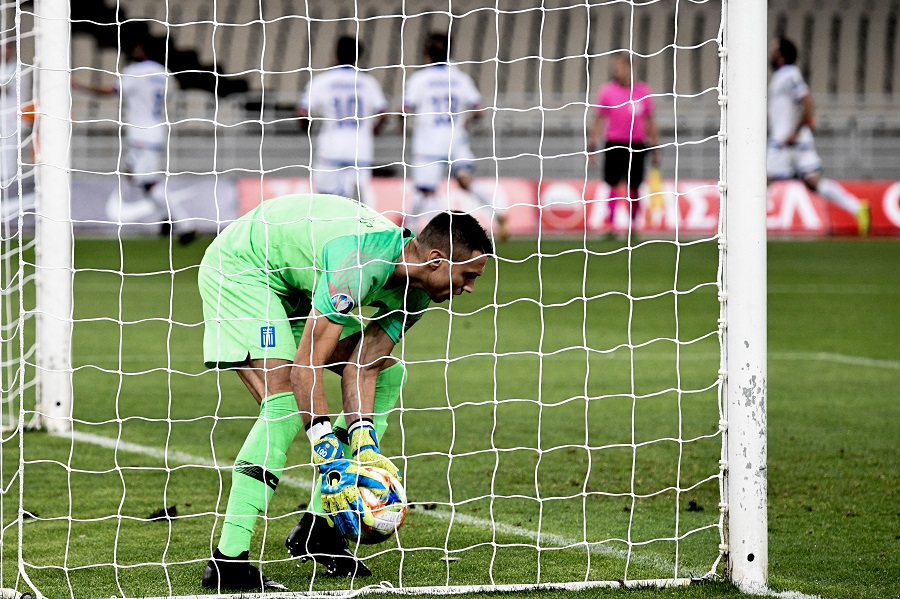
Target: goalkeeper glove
364	445
340	486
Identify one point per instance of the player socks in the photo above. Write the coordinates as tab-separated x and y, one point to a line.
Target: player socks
257	469
634	195
612	202
387	391
831	190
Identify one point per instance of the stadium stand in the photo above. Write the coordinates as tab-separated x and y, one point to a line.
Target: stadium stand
539	69
148	21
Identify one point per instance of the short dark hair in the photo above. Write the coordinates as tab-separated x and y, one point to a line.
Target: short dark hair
788	50
437	47
456	232
349	50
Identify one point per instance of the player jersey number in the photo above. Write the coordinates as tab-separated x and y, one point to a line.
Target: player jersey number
347	110
443	117
159	98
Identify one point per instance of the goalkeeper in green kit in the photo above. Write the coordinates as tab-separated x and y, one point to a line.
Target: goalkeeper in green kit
282	289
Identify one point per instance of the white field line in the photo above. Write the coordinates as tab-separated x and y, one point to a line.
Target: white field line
546	539
751	589
568	356
835	289
167	456
550	539
837	358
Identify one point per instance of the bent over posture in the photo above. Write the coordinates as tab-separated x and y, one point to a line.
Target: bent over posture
282	289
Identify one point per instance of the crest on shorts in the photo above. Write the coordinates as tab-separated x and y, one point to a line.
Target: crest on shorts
342	303
267	336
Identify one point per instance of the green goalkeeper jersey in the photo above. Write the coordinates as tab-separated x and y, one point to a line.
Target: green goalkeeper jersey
332	252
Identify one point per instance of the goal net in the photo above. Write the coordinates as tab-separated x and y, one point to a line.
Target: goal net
571	423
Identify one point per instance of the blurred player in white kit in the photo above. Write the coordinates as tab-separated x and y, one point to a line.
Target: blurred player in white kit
791	152
10	99
445	103
350	107
144	85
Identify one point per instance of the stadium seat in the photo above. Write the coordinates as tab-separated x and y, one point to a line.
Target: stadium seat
844	54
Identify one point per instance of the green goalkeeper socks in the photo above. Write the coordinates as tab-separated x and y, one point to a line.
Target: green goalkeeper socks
257	469
387	391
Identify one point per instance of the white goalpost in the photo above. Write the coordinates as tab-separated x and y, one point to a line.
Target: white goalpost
593	415
744	291
53	219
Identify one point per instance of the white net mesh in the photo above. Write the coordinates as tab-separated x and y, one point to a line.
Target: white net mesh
559	426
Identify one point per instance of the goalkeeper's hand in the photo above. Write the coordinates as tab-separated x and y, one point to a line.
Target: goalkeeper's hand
364	445
341	481
340	486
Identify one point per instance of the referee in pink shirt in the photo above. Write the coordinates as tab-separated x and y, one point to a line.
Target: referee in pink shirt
625	117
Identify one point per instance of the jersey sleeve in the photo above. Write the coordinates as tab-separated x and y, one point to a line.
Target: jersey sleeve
799	89
410	95
603	100
649	105
473	96
351	270
303	101
396	322
379	102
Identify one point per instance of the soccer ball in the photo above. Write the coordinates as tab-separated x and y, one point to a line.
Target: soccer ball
389	508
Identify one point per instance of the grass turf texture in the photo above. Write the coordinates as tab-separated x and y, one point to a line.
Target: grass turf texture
832	427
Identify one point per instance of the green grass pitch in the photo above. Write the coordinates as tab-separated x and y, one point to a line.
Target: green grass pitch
574	405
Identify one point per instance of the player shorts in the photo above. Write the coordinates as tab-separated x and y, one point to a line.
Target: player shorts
620	164
429	171
342	178
144	162
792	162
243	317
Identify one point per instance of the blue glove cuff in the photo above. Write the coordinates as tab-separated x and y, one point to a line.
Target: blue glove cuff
362	437
327	449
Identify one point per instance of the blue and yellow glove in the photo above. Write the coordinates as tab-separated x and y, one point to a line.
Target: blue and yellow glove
364	445
340	486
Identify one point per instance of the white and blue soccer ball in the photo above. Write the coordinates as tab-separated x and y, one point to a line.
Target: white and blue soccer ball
388	507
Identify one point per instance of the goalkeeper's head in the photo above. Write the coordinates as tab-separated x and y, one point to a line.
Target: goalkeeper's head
457	235
453	249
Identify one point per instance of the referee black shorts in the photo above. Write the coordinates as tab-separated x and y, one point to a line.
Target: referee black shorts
620	162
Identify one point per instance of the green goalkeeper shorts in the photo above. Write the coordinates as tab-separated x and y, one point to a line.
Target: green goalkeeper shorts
243	317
